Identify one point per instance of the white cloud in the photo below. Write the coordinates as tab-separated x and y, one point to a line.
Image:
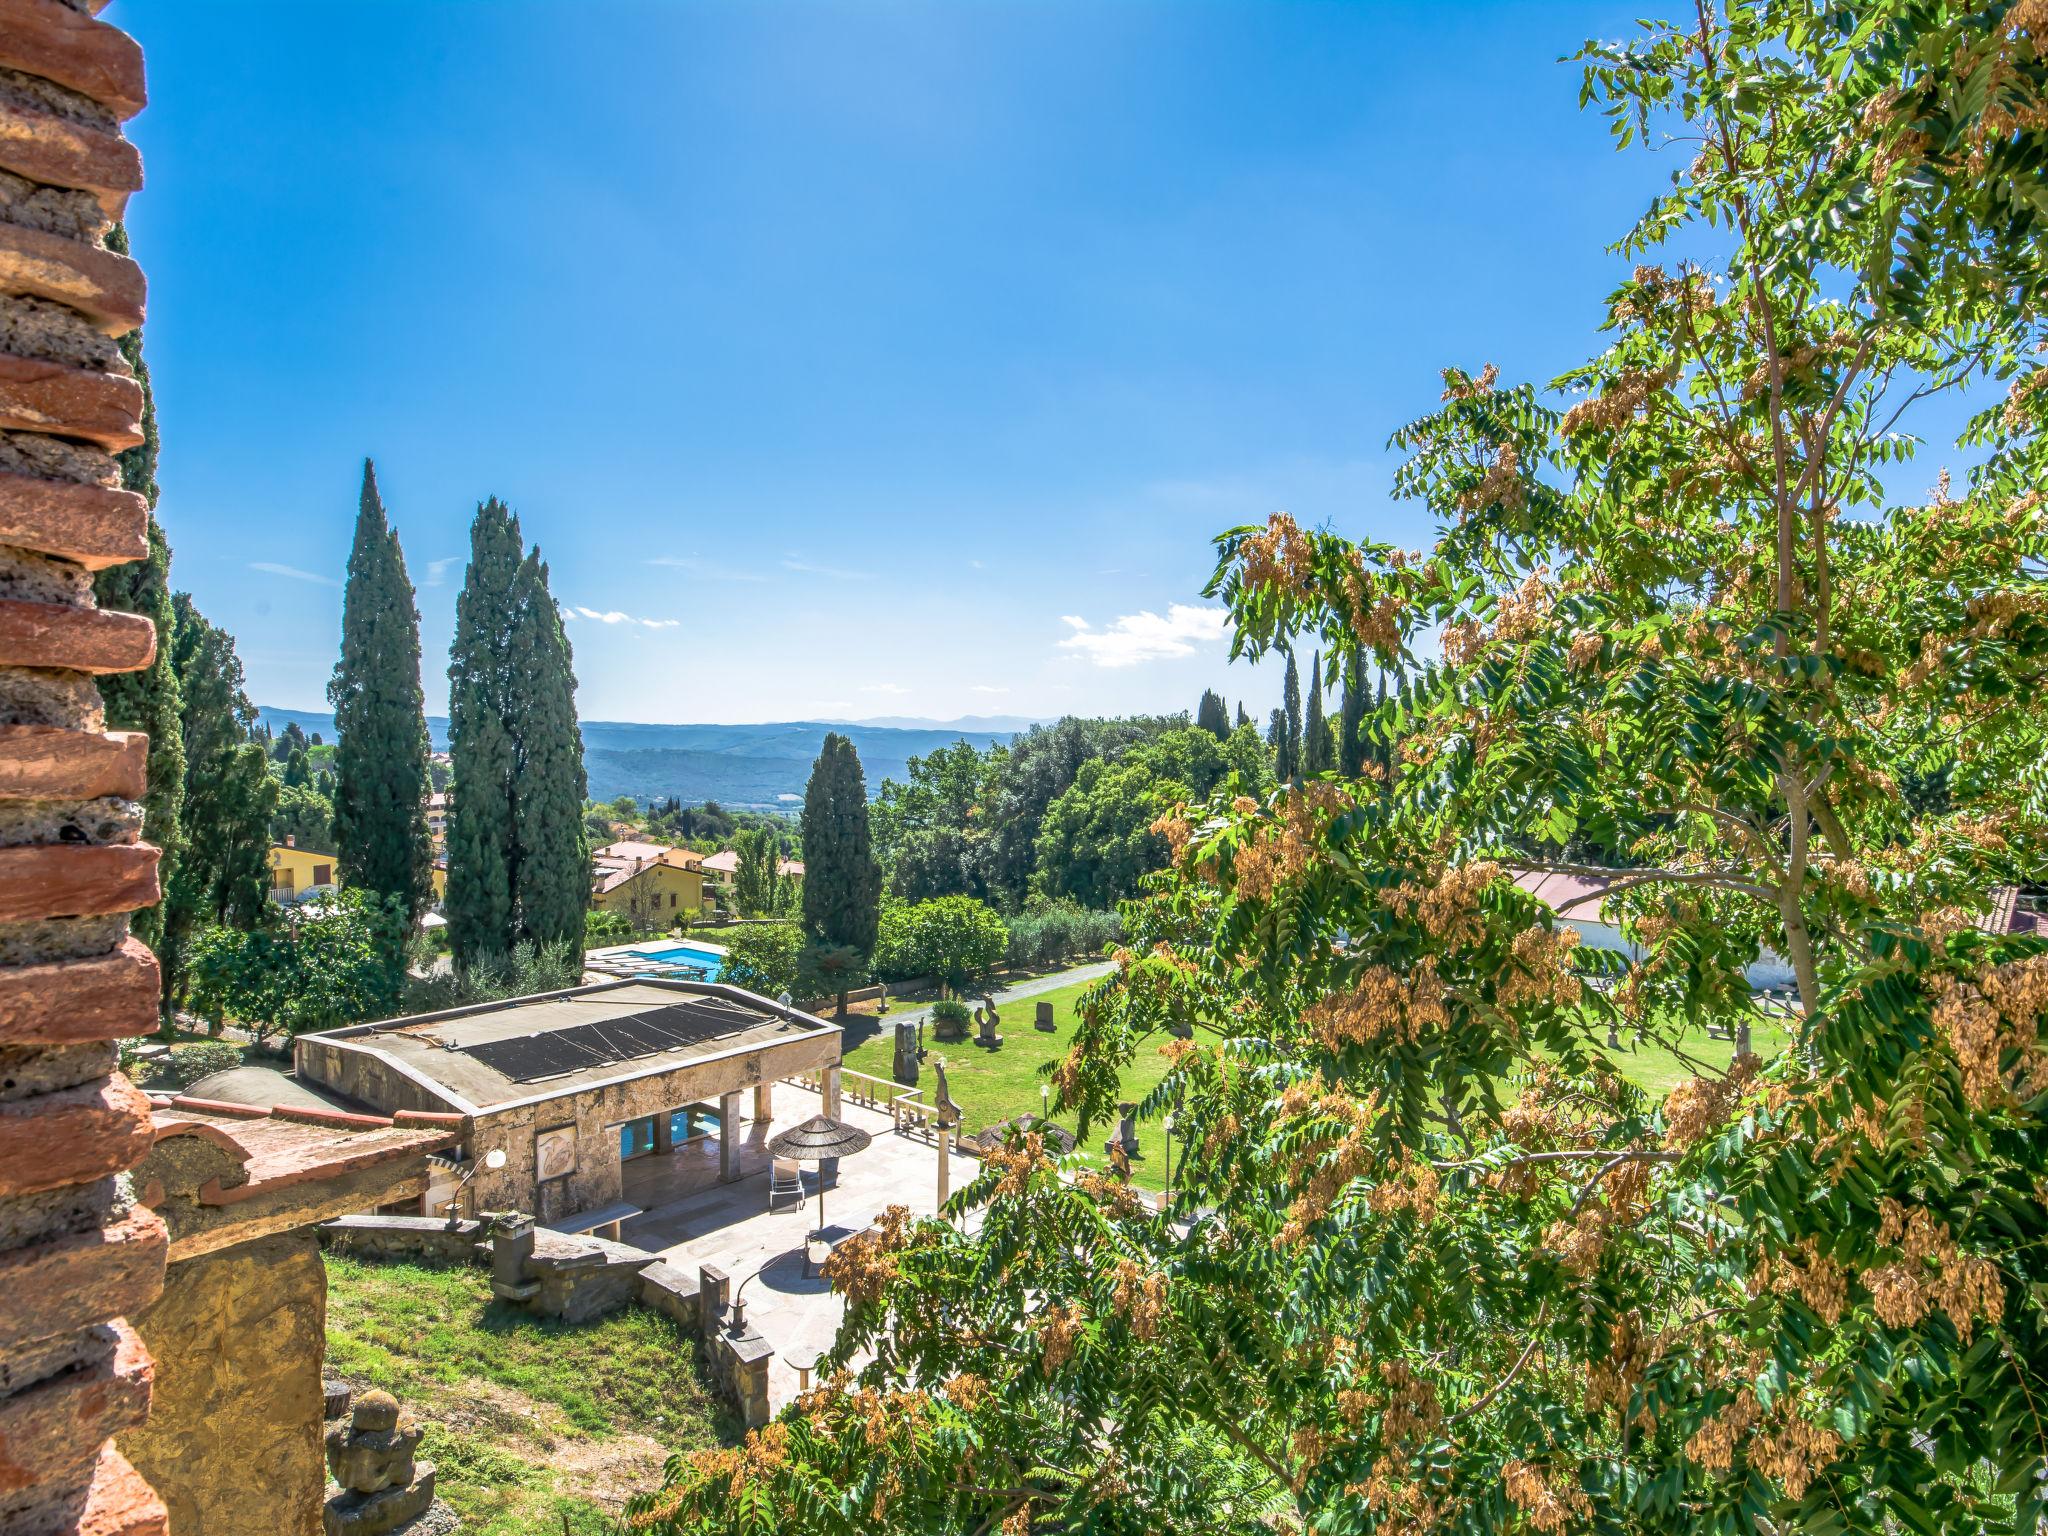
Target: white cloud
987	688
1141	637
437	570
613	616
709	570
271	568
976	565
888	688
837	573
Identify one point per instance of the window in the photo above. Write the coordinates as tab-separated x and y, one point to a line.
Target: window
323	874
671	898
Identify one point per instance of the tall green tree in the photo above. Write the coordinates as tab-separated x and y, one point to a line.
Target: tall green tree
480	903
1290	705
842	898
1316	756
1213	715
1351	723
223	876
380	719
756	875
1243	719
147	701
551	856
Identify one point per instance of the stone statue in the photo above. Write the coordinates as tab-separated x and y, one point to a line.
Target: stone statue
942	1100
986	1019
905	1069
371	1456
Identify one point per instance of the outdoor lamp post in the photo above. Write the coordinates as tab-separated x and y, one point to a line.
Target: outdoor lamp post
1166	1124
1045	1101
493	1160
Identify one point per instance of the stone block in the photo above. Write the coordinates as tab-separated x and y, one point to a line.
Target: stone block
73	1136
113	1500
41	396
374	1514
47	762
105	287
1042	1019
73	639
67	1002
54	1431
51	39
75	880
95	525
81	1278
233	1441
62	153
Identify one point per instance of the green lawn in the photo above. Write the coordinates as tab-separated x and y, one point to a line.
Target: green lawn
1001	1084
535	1427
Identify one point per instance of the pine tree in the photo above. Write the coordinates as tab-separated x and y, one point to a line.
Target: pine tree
380	719
551	859
1291	698
842	880
479	902
229	796
1351	722
1213	715
1315	739
147	701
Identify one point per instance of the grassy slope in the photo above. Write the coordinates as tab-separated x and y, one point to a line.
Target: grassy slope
997	1085
535	1428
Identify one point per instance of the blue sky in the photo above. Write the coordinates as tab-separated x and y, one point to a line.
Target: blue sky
843	359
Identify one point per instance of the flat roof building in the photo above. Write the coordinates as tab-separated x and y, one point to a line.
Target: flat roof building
592	1093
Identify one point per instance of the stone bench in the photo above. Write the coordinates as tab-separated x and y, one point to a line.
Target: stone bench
602	1222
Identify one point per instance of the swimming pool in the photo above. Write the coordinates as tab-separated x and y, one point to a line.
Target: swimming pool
687	958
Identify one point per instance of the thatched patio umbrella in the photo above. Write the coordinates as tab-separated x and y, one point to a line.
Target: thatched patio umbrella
817	1139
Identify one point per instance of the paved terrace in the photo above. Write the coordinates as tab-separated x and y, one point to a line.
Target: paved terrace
731	1227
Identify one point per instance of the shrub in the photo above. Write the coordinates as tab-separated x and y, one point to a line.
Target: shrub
955	938
202	1058
1047	932
527	970
340	966
763	957
602	928
950	1010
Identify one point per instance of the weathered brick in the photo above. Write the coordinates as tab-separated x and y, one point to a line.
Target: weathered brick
61	153
82	1278
104	286
74	639
54	1431
48	762
120	1503
40	396
71	1002
96	525
73	1137
48	38
74	880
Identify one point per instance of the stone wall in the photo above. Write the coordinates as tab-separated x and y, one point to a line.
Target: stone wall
411	1239
77	1256
233	1438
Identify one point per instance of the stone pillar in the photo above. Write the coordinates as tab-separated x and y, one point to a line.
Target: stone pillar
945	1164
728	1138
77	1255
831	1094
664	1131
764	1102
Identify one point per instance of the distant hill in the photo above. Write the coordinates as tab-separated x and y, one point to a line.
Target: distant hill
749	767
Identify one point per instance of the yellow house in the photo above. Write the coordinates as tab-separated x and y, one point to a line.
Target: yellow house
295	873
649	885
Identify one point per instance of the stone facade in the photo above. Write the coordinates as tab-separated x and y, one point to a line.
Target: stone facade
78	1256
233	1440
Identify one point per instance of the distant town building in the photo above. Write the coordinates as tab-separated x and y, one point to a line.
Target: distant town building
649	884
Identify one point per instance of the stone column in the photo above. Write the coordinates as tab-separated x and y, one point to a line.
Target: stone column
728	1138
764	1102
945	1164
664	1131
831	1094
77	1254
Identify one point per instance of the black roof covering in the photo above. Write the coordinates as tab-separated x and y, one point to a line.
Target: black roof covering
553	1052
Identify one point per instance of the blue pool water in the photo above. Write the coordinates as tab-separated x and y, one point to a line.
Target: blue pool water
686	957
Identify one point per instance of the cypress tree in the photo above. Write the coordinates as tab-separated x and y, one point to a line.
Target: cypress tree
1291	697
1276	738
147	701
1315	739
380	719
1350	723
1243	719
842	879
1213	715
481	858
229	796
551	859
